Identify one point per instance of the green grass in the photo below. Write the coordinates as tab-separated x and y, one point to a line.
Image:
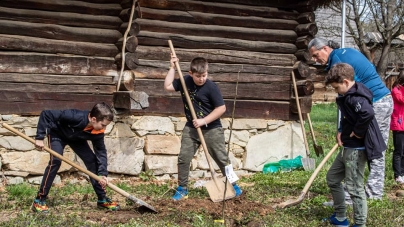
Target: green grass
265	188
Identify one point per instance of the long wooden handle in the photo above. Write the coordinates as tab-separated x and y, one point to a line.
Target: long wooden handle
57	155
317	170
300	114
191	108
311	129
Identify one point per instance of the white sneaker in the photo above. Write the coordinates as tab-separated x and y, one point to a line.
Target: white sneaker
331	203
399	180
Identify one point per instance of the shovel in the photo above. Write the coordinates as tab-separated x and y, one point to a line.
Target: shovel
290	203
217	189
318	149
92	175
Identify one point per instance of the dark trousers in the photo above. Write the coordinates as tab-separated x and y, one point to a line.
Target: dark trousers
190	142
83	150
398	153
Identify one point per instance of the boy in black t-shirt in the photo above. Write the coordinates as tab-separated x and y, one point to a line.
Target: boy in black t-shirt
209	107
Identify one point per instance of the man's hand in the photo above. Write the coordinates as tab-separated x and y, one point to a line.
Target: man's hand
103	182
39	145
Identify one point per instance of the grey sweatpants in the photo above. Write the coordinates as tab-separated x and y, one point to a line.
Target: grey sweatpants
349	165
190	142
375	183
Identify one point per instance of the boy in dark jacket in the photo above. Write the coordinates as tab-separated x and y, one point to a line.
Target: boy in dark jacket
74	128
361	140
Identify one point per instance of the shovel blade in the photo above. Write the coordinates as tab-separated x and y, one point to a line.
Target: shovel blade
216	189
141	203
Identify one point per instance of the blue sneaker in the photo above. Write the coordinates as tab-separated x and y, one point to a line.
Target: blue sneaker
181	193
334	221
237	189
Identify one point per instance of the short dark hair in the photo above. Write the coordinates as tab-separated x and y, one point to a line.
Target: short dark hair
102	111
199	65
339	72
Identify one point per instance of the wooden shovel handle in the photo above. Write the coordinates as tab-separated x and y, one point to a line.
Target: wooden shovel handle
191	108
81	169
317	170
300	114
311	129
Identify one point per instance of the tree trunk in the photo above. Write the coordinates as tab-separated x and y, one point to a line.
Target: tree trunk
20	62
306	29
306	17
60	18
65	6
218	8
301	70
193	17
304	55
223	68
32	44
302	42
254	91
131	60
217	56
198	42
267	35
134	28
60	32
160	73
131	44
55	79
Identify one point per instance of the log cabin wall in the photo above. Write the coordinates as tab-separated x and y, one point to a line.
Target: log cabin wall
255	42
57	54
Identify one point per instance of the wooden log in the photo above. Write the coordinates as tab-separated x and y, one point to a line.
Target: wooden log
267	35
254	91
65	6
55	79
67	88
305	104
32	103
60	32
131	44
303	41
21	62
130	100
134	28
304	55
127	81
198	42
305	87
32	44
217	19
306	17
173	106
61	18
160	73
217	56
218	8
131	60
300	6
223	68
301	70
306	29
125	13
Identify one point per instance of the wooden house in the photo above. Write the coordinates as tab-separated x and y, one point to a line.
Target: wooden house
58	54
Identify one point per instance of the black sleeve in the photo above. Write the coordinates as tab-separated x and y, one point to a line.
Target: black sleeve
101	154
47	120
365	115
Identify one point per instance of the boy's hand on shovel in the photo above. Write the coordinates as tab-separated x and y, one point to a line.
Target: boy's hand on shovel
39	145
103	182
